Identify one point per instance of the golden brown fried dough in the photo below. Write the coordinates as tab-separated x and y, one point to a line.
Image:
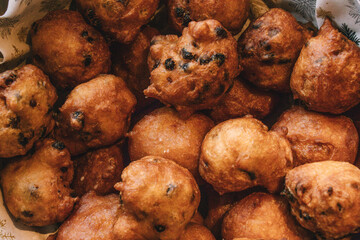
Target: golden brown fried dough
197	218
163	133
128	227
130	63
36	187
317	137
96	113
93	219
193	71
262	216
232	14
241	153
26	101
326	76
120	19
98	171
68	49
161	194
196	231
324	197
241	100
269	48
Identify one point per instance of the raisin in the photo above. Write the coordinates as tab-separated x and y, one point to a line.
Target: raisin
87	60
14	122
185	67
27	214
10	79
156	65
205	60
194	44
221	32
34	191
90	39
179	12
187	55
90	14
170	189
186	20
330	191
78	115
84	34
63	169
256	26
340	208
219	58
288	195
23	141
58	145
160	228
169	64
33	103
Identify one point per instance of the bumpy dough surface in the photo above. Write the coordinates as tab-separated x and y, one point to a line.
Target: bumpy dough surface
269	48
241	153
163	133
68	49
326	76
36	187
163	203
232	14
120	19
324	197
95	114
98	171
93	219
242	100
262	216
26	101
317	137
196	231
193	71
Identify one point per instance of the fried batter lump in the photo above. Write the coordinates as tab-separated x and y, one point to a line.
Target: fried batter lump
262	216
93	218
232	14
326	76
196	231
324	197
36	187
241	153
120	19
98	171
130	63
161	195
163	133
316	137
96	113
67	49
242	100
269	48
26	101
193	71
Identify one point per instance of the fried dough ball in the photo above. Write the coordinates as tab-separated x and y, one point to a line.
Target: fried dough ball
93	219
269	48
98	171
36	187
26	101
241	153
196	231
232	14
326	76
193	71
96	113
128	227
161	194
130	63
120	19
163	133
317	137
324	197
262	216
241	100
68	49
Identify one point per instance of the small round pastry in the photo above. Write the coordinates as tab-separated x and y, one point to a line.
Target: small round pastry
163	133
262	216
242	100
193	72
120	19
232	14
95	114
93	218
163	203
241	153
69	50
98	171
36	187
196	231
130	63
316	137
324	198
129	227
26	101
326	76
269	48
